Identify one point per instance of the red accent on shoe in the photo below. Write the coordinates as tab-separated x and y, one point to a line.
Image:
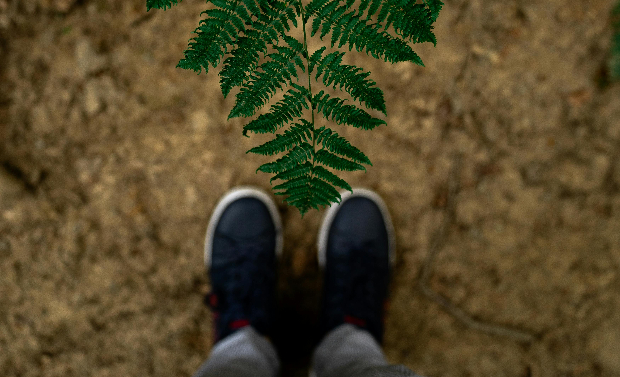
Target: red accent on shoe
239	323
355	321
213	300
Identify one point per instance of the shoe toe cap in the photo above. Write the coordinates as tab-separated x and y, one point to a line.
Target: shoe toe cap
246	217
360	217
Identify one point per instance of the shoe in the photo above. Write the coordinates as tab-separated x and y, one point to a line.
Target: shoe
356	249
242	247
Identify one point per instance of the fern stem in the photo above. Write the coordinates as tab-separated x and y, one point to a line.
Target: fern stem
303	16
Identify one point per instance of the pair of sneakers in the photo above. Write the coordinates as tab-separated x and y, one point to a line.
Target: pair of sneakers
356	248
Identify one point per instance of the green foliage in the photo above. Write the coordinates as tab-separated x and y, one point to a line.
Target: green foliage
244	28
159	4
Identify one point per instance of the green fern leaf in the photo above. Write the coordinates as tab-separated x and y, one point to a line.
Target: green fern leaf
334	109
295	183
160	4
246	55
284	110
338	144
355	84
245	28
315	193
296	156
296	135
244	59
298	171
330	177
262	85
434	7
315	58
325	191
411	21
364	35
335	162
207	48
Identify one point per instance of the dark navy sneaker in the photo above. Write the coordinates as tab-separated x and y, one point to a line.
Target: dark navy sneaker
356	248
242	247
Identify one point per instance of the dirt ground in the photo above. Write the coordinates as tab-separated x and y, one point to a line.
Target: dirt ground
112	160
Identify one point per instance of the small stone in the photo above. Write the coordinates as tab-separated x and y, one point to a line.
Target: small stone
91	99
57	314
200	121
4	22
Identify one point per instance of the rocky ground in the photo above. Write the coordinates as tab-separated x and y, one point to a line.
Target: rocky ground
500	166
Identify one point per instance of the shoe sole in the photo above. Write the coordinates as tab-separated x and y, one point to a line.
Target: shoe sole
331	214
238	193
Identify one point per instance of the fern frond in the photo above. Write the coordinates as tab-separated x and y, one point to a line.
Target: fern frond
349	114
313	7
434	6
326	192
207	46
411	21
315	193
262	85
335	162
245	56
305	192
160	4
244	59
284	110
245	28
295	183
330	177
360	34
296	135
338	144
298	171
346	76
296	156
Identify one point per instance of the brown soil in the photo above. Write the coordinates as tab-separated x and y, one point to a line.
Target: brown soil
112	160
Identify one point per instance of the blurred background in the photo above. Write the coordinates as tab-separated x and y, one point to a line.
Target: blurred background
500	165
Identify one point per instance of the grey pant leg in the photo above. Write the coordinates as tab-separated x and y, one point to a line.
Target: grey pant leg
243	354
348	351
